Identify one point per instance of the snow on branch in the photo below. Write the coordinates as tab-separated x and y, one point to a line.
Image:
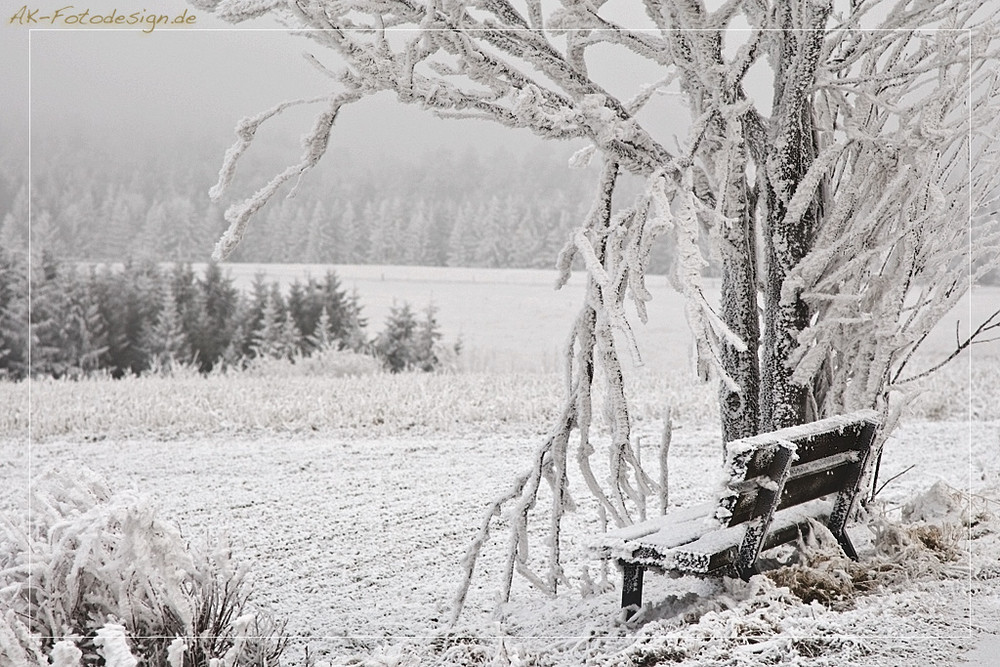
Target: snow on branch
315	144
246	129
893	255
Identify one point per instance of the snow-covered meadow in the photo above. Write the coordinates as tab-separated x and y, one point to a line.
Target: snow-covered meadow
353	500
356	541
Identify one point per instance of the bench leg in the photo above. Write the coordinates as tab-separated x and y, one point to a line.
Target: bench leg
632	586
747	571
846	544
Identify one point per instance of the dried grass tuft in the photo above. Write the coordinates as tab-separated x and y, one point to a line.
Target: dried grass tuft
902	553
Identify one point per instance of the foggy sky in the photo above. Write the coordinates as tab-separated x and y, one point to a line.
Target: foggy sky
124	89
128	88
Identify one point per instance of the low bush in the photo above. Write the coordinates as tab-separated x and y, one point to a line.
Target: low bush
93	577
328	362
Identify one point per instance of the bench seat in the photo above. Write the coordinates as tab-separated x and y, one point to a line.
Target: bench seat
696	545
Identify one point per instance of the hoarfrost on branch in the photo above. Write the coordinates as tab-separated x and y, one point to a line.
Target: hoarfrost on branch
869	190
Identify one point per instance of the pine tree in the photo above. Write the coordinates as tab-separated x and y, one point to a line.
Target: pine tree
235	354
278	336
167	343
128	302
68	332
13	315
213	323
320	238
427	340
76	224
463	239
441	214
185	231
47	303
396	344
300	307
14	228
382	231
352	333
113	223
289	338
265	336
253	316
330	295
352	248
13	232
44	234
528	240
323	336
416	237
293	235
155	231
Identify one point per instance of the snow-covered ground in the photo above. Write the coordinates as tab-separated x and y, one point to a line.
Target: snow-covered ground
357	542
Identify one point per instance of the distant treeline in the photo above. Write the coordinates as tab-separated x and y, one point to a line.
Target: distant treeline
504	210
142	317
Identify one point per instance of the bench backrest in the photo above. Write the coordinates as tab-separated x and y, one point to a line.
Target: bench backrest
791	466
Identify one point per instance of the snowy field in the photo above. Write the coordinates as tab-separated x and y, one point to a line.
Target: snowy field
353	500
356	542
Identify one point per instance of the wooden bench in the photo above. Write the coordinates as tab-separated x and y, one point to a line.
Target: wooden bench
773	484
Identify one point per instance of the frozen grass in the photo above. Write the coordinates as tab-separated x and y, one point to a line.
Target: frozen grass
375	404
381	404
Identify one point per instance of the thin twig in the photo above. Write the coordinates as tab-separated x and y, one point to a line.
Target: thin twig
987	325
896	476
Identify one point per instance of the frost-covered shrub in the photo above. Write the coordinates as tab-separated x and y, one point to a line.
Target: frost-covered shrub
105	573
328	362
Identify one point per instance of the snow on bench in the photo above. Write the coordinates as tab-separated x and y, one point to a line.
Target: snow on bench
773	484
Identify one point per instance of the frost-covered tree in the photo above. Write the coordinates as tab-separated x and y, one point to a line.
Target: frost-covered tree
278	336
13	314
322	336
395	344
321	238
350	250
463	239
67	330
167	343
407	343
14	227
427	338
212	316
839	191
416	236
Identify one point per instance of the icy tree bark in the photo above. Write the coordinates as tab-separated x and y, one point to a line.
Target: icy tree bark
714	88
788	239
740	410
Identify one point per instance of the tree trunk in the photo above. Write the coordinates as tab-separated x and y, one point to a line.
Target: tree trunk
787	239
706	86
740	410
